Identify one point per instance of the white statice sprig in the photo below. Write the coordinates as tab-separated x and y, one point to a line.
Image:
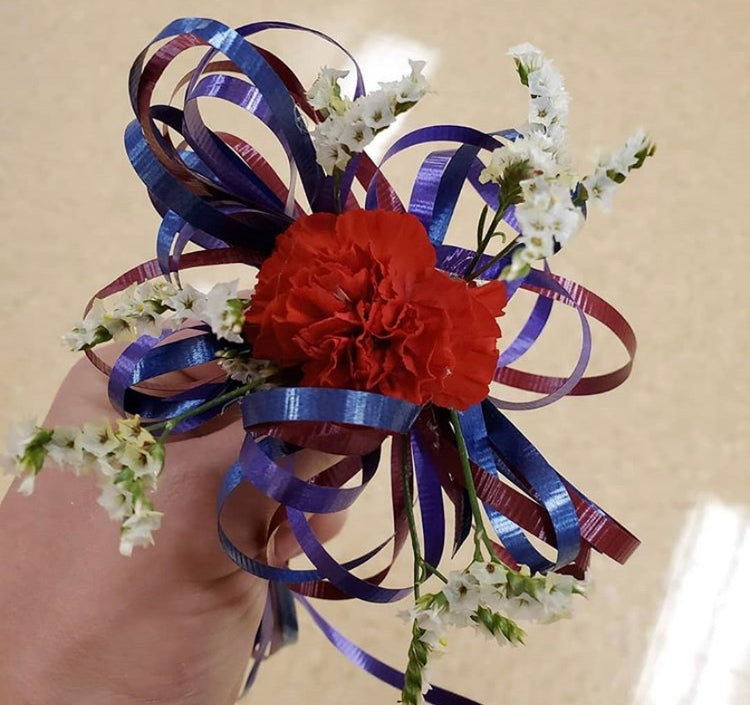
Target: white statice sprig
350	125
549	102
126	460
152	307
27	446
534	171
488	597
138	527
612	169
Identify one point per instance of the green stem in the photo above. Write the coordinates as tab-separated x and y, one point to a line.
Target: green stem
495	259
480	225
480	533
434	571
484	241
170	424
407	475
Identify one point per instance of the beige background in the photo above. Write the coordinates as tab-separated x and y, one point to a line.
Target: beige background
666	451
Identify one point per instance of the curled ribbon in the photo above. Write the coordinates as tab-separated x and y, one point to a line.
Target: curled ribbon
217	192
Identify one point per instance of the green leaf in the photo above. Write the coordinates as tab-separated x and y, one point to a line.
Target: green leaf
522	73
34	457
125	475
616	176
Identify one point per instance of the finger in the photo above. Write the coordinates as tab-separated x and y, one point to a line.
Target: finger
306	464
283	545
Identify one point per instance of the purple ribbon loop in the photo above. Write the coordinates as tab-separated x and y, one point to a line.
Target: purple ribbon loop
216	191
287	489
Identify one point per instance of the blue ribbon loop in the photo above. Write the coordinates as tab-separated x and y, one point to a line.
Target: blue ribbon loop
215	195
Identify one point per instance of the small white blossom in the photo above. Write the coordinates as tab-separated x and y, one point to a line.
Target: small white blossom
546	215
19	437
331	153
143	315
533	150
546	81
600	188
377	110
132	432
115	499
63	451
555	605
330	130
546	110
525	607
26	486
556	595
138	528
541	598
356	136
145	465
141	309
536	231
411	88
520	264
157	290
97	440
549	102
333	157
627	156
432	621
488	573
184	302
27	451
223	311
529	56
491	578
538	164
325	94
462	593
83	334
118	327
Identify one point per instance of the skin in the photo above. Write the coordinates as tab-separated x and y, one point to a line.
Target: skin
173	624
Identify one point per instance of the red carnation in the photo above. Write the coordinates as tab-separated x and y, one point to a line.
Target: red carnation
356	302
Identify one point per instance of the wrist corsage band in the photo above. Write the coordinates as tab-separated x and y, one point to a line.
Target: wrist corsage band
366	332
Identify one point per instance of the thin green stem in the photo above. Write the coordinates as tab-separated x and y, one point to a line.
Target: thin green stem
406	476
495	259
480	533
484	240
480	225
434	571
170	424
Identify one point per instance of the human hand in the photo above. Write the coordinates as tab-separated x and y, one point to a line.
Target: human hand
173	624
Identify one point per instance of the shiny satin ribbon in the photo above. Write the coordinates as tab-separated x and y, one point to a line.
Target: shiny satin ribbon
218	192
